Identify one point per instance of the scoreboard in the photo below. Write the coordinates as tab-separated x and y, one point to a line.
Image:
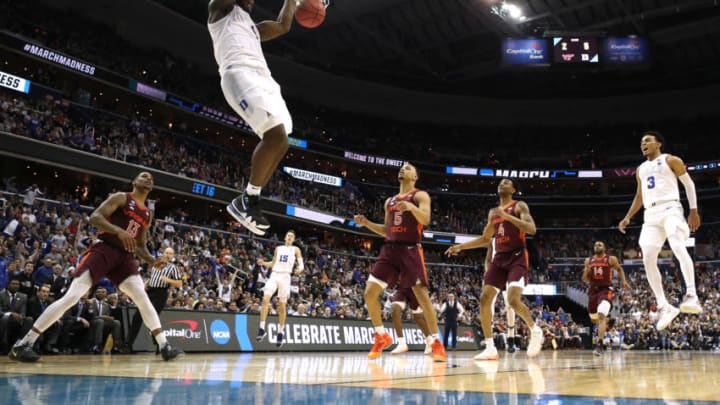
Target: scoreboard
575	50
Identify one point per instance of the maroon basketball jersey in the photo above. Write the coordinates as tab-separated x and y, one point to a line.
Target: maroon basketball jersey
403	226
601	274
131	217
508	237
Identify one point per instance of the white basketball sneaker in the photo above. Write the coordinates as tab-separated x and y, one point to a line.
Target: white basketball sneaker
401	348
490	353
428	346
536	341
690	304
666	316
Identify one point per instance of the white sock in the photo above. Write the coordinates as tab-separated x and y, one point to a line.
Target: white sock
428	339
686	264
161	339
29	339
252	190
652	273
281	328
434	336
262	325
401	340
380	330
489	343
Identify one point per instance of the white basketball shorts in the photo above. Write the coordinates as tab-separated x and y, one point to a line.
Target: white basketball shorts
661	221
256	97
279	282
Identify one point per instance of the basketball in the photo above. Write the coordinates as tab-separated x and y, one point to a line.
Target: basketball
311	13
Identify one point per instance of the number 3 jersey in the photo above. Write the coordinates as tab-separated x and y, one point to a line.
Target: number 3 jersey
658	182
403	226
131	217
285	259
508	237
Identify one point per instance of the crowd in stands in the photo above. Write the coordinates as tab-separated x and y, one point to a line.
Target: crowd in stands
42	240
84	38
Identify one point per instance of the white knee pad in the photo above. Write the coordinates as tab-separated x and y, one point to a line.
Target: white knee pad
604	308
134	287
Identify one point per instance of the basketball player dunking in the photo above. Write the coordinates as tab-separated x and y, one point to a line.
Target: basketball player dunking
401	258
123	220
282	266
598	274
253	94
508	224
657	191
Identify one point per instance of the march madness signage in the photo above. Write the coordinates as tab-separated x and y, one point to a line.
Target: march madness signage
220	331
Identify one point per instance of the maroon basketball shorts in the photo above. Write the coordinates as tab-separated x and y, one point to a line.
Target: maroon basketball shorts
401	263
596	295
507	267
104	260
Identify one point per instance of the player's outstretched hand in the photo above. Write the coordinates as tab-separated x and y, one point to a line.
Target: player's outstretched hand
693	220
453	250
623	224
127	240
626	285
360	220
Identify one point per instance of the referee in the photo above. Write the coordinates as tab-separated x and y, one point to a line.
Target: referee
157	291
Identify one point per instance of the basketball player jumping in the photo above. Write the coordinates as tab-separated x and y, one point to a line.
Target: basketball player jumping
508	224
253	94
401	258
598	274
123	220
282	265
657	190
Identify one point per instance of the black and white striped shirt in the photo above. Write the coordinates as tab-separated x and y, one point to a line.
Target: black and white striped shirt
156	276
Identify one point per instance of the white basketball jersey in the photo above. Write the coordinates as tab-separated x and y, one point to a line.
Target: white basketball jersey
285	259
236	41
658	182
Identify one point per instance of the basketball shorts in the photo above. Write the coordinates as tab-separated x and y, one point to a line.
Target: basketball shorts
256	97
596	295
405	296
104	260
661	221
507	269
401	263
279	282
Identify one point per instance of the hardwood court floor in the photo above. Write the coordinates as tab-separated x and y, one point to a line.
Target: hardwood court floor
349	378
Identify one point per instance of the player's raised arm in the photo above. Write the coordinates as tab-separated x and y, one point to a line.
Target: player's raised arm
635	207
218	9
272	29
481	241
615	264
678	167
98	219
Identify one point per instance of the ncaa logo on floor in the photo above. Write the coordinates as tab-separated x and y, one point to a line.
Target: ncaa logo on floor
220	332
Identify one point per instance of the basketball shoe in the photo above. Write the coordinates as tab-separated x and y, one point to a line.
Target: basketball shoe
401	348
438	351
490	353
382	342
23	353
261	335
666	316
168	352
280	340
247	210
536	340
690	304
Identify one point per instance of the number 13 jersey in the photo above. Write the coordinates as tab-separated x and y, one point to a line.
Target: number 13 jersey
131	217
